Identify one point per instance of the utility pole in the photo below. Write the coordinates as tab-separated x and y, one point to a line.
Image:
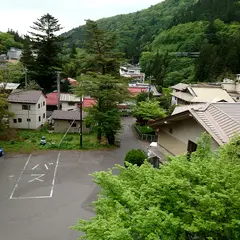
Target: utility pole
58	88
81	120
26	81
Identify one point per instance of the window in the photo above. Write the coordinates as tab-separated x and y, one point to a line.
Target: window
74	125
71	104
170	130
19	120
28	119
44	116
43	103
38	105
237	98
26	107
39	118
192	147
14	120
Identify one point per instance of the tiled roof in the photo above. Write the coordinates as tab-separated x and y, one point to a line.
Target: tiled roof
67	115
136	90
88	102
25	96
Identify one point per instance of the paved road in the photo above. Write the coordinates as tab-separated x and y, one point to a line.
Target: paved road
41	196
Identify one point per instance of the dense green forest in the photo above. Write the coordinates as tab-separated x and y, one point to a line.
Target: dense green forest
10	39
162	36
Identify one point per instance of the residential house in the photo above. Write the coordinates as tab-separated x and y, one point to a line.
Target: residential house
232	87
178	133
68	121
29	108
199	93
14	53
132	71
69	101
135	88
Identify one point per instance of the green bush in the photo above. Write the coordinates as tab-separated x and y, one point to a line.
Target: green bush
146	129
135	156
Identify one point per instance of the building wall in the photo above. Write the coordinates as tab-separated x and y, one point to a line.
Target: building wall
67	107
21	115
174	137
61	126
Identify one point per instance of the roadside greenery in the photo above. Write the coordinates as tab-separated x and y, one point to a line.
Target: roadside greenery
29	141
135	156
147	111
188	198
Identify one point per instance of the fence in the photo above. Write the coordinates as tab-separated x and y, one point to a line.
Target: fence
145	137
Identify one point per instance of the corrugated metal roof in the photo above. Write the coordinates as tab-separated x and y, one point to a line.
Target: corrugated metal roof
66	115
67	97
183	95
180	86
9	86
184	108
204	95
25	96
210	94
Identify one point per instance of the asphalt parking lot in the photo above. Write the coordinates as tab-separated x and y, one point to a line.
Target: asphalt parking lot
43	194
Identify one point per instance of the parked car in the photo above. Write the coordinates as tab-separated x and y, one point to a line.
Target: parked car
1	152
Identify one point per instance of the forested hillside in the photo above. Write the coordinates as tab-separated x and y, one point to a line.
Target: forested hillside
136	30
158	36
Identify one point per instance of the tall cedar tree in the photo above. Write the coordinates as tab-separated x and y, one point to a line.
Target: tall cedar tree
100	45
104	115
47	47
104	62
27	55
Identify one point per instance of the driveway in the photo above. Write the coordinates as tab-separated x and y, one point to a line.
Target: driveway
42	195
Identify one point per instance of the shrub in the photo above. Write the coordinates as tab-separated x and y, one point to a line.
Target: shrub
146	129
135	156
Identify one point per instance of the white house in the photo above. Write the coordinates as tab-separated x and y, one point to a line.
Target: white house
132	71
69	101
14	53
29	108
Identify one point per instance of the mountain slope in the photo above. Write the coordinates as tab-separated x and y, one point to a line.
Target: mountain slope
136	30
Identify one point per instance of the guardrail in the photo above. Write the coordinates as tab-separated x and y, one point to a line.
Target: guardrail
145	137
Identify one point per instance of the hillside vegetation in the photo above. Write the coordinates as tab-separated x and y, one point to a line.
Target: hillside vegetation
158	35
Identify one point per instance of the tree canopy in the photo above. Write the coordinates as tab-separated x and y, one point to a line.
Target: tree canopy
148	110
42	51
187	198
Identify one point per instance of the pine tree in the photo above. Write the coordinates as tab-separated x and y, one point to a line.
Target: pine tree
100	46
47	47
27	56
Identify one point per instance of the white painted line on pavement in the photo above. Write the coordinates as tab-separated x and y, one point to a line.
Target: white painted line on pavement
35	167
20	176
37	177
46	166
36	197
54	176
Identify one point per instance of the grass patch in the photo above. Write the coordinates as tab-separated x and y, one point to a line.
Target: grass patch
27	141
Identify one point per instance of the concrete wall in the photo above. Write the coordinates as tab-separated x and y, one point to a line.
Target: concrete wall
174	137
67	107
61	126
21	116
